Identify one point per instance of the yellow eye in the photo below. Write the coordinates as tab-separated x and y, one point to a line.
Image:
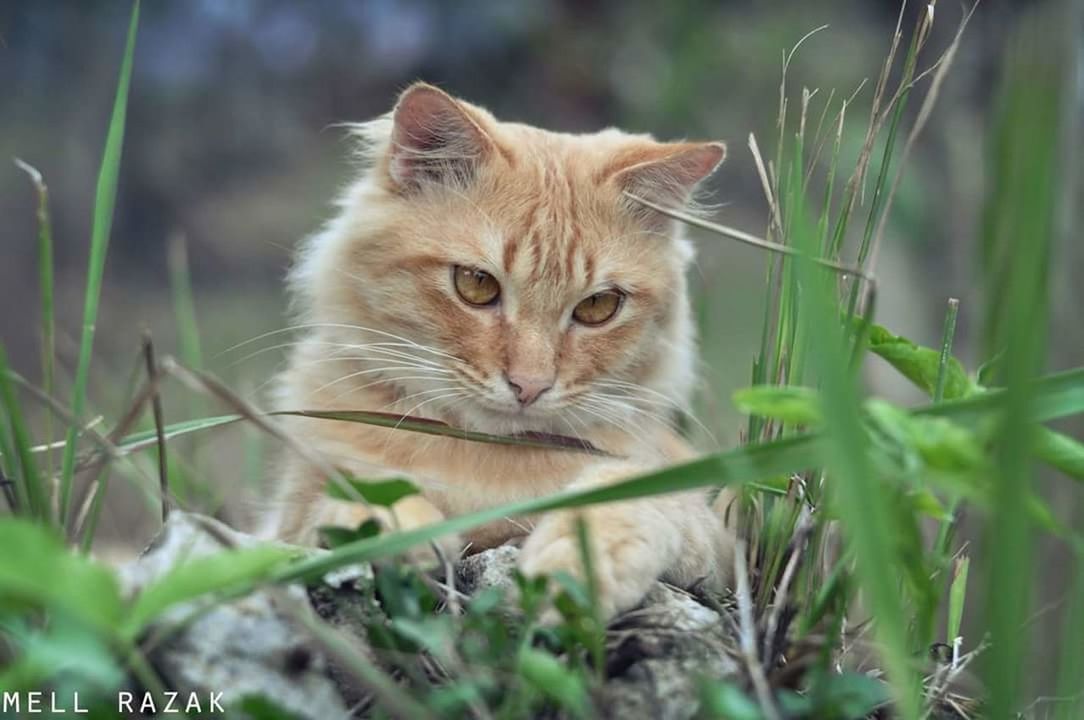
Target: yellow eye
598	308
476	287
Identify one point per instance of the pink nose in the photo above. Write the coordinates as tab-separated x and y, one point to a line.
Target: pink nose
526	388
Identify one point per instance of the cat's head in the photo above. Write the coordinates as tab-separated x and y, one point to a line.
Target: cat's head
501	274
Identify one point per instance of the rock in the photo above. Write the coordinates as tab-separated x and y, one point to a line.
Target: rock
244	647
488	569
656	654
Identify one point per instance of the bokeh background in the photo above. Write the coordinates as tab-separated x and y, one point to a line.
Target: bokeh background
232	152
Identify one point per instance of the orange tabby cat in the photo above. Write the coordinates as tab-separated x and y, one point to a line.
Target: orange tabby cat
494	276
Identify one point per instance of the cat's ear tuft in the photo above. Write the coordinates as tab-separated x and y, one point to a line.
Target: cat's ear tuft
669	173
434	139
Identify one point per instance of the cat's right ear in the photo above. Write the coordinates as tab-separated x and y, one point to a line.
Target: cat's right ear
434	139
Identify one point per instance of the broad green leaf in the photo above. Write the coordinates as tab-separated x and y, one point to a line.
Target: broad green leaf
793	405
987	372
1060	451
36	569
65	654
222	572
333	536
844	695
726	700
1053	396
919	364
553	679
924	501
382	493
257	707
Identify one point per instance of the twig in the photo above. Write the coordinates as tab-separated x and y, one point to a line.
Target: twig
943	65
95	464
201	382
748	636
803	529
9	493
159	425
753	240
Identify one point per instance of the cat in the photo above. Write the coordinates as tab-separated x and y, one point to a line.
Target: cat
497	277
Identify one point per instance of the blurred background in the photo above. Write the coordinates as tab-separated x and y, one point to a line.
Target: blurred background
232	152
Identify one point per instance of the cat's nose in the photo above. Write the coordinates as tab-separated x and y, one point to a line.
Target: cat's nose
527	388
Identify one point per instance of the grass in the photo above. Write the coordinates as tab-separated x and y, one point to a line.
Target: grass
104	200
836	487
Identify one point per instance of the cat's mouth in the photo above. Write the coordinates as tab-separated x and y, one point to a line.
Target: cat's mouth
490	415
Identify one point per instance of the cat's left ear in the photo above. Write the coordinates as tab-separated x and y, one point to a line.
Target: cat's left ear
434	139
668	173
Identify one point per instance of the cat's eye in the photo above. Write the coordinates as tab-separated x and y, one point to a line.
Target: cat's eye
598	308
476	287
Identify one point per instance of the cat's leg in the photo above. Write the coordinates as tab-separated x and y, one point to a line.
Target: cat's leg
304	507
677	537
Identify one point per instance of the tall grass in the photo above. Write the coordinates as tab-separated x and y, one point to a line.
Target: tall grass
820	461
104	200
1018	229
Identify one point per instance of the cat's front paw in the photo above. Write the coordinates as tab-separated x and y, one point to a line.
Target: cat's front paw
624	563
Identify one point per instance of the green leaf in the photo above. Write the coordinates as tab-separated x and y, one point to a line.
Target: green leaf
333	537
847	695
36	569
988	371
224	572
554	680
382	493
257	707
64	653
1060	451
919	364
725	700
793	405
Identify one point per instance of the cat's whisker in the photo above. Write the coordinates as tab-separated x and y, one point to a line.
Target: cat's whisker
628	407
625	424
619	416
341	326
371	371
411	396
630	388
414	410
384	381
561	415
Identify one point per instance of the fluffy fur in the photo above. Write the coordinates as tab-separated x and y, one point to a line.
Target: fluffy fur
445	184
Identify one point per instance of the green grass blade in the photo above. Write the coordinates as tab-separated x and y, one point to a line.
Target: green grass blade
862	504
957	594
1026	143
184	305
46	280
730	468
946	349
30	489
1070	687
104	201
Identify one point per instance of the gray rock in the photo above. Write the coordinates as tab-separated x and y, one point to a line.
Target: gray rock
245	647
656	654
